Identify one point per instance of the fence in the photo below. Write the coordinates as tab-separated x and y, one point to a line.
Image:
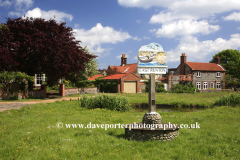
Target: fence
69	91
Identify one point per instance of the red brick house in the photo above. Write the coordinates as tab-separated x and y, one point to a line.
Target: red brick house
129	81
204	76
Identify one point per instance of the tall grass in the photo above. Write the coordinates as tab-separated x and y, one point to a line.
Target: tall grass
111	102
228	100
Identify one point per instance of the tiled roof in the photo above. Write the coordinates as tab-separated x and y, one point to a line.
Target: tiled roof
94	77
115	76
127	68
186	78
205	66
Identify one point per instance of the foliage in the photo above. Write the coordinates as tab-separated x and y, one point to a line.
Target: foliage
90	70
111	102
228	100
230	81
106	86
158	86
111	71
183	88
46	46
230	60
8	77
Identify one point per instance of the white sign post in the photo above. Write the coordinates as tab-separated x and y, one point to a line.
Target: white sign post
151	61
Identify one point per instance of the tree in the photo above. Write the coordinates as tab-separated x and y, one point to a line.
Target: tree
230	60
8	77
111	71
90	67
39	46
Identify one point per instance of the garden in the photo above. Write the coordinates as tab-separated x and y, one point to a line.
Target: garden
36	132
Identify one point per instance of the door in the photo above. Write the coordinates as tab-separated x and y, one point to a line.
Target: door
130	87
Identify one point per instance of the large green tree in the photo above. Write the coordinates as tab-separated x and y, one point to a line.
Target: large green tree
230	60
39	46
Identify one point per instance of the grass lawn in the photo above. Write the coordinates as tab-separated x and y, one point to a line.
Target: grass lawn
32	134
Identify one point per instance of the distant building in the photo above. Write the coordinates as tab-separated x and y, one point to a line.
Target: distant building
204	76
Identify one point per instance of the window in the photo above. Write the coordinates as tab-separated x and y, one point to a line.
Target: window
212	85
218	74
199	85
198	74
39	79
218	85
205	85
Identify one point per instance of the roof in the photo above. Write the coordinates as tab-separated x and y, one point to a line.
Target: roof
94	77
127	68
115	76
205	66
186	78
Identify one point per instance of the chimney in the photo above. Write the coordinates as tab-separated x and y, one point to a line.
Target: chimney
217	60
123	60
183	60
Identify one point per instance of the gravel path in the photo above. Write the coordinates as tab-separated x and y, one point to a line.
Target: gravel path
16	105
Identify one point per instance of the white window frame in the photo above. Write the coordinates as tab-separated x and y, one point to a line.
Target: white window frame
218	85
39	78
218	74
198	74
199	85
211	85
205	85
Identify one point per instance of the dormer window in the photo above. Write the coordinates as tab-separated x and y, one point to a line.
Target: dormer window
218	74
198	74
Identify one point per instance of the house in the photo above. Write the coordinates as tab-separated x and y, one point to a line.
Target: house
204	76
127	78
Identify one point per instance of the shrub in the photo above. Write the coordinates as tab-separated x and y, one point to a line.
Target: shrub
111	102
228	100
183	88
158	86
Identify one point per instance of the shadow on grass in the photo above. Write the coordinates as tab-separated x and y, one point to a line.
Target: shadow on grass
120	136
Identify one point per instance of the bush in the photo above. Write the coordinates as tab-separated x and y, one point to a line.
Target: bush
111	102
228	100
158	86
183	88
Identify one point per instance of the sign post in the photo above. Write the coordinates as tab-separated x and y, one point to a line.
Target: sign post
151	61
151	96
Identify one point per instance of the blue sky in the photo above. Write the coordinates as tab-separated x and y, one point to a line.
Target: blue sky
110	28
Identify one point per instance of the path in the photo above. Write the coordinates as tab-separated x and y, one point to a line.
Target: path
16	105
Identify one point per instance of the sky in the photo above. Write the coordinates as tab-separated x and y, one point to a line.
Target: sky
110	28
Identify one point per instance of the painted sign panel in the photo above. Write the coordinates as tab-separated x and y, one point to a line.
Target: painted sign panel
152	59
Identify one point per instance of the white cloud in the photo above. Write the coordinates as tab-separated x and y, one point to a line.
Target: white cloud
76	26
59	16
196	7
186	27
153	30
179	14
198	50
166	17
99	35
145	37
234	16
18	14
5	3
145	3
238	28
138	21
22	5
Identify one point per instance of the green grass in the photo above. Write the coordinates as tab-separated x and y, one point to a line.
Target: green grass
31	134
205	99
